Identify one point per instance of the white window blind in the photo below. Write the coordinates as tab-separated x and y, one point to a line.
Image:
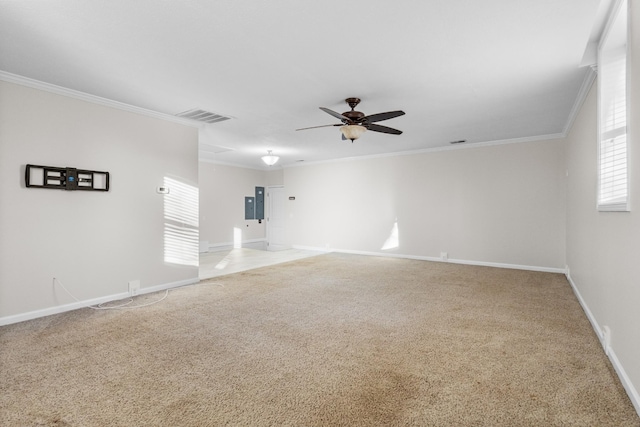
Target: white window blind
612	74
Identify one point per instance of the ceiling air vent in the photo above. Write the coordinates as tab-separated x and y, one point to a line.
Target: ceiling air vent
203	116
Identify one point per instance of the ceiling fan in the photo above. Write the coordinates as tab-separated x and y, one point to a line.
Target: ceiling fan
354	123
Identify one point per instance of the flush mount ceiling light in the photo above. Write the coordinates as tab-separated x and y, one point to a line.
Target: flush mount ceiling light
270	159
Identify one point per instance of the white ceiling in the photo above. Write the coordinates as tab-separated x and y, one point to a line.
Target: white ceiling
482	71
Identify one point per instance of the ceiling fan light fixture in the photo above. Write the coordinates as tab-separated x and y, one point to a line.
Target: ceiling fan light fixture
270	159
353	132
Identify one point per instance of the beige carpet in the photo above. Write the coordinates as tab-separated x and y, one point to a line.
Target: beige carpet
333	340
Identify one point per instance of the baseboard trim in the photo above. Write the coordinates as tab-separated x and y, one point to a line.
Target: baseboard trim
509	266
16	318
172	285
436	259
22	317
633	394
587	311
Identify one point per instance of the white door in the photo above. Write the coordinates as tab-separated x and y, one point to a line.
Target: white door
276	219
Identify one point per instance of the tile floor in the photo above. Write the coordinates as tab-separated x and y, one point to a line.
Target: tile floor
219	263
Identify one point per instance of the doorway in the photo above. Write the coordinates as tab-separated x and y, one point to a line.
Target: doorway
276	219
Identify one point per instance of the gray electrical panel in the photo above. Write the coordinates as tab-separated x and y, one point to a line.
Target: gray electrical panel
249	208
259	202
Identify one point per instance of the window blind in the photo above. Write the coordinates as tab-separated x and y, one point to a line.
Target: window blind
612	155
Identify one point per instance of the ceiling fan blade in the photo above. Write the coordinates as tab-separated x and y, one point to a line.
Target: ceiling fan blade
383	129
383	116
344	119
321	126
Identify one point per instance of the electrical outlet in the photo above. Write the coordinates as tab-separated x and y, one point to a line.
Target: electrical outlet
444	256
134	287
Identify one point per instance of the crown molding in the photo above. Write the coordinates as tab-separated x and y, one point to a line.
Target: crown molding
265	168
463	146
587	83
71	93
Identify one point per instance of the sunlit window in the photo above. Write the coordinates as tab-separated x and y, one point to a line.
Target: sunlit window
181	223
612	113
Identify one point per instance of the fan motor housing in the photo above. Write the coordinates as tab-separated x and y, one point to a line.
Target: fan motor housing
355	116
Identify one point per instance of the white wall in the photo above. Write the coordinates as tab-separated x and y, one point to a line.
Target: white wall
275	177
501	204
603	247
222	192
93	242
